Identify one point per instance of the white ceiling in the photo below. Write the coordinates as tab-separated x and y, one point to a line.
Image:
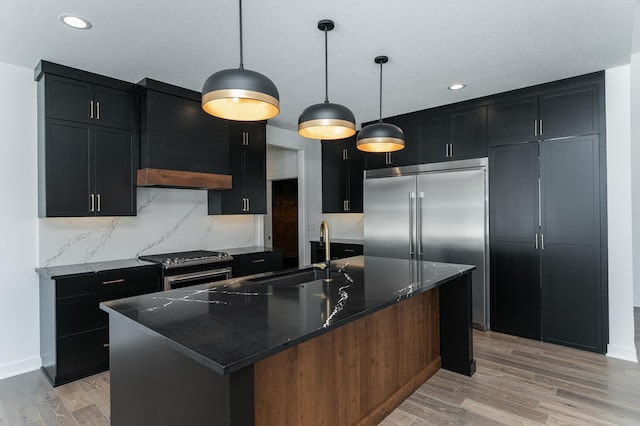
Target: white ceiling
491	45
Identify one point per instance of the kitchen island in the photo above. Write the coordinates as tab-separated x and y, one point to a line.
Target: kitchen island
289	348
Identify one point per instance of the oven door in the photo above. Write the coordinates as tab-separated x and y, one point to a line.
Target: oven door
180	280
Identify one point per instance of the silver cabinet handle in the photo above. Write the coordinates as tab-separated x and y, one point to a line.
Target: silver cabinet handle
542	241
541	127
345	205
258	260
91	109
118	281
99	204
347	250
98	110
105	345
93	203
446	150
248	204
536	241
244	204
535	127
245	138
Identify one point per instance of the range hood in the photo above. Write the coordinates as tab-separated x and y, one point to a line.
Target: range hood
166	178
181	146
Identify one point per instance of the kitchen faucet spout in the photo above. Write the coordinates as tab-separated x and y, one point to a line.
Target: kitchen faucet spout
324	239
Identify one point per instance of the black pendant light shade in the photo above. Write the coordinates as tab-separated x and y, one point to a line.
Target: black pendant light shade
240	94
380	137
326	121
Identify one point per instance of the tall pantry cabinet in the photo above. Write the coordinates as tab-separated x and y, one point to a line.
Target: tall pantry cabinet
547	213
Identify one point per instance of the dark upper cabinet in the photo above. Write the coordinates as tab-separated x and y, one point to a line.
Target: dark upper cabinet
247	164
84	102
342	173
88	146
455	135
573	111
513	121
410	125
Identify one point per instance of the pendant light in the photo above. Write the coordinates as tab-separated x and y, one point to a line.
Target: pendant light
240	94
380	137
327	121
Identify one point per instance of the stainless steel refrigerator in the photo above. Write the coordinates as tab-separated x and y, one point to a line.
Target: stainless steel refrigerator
436	212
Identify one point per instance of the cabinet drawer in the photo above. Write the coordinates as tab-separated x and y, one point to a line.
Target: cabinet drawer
82	354
82	313
340	250
256	263
107	281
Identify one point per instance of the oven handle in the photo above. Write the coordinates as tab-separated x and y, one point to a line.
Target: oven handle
198	275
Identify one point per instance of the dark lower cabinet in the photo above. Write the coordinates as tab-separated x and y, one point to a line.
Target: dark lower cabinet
256	263
338	251
74	332
546	275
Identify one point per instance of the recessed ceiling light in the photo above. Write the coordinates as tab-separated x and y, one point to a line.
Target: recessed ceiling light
75	22
457	86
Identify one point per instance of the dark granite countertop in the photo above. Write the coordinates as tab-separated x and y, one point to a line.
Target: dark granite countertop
248	250
339	240
90	268
228	325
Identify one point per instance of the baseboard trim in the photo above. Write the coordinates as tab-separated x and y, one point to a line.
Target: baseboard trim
622	352
19	367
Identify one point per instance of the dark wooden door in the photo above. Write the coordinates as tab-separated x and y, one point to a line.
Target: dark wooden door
68	99
114	108
232	199
114	172
334	176
515	277
434	138
68	168
468	133
255	176
570	205
570	112
284	219
513	121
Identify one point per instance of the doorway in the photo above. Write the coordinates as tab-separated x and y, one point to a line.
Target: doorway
284	219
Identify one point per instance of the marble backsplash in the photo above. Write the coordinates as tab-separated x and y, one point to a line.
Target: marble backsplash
168	220
349	226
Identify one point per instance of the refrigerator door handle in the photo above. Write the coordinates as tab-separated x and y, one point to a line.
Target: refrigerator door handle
419	198
412	241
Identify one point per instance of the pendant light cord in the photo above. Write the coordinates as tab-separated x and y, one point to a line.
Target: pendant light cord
380	119
241	56
326	68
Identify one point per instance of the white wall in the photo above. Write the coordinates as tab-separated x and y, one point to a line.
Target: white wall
19	313
281	163
635	171
618	104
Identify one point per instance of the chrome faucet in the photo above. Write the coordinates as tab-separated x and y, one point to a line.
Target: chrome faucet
324	239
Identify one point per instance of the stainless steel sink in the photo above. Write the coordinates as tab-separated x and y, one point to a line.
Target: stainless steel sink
291	278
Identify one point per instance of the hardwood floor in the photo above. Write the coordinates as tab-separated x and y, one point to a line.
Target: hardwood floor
518	382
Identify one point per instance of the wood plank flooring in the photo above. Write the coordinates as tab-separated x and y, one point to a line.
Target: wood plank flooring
518	382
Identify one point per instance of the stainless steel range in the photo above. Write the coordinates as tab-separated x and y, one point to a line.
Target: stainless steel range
187	268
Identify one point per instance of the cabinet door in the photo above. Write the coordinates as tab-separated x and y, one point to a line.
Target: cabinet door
68	171
232	200
512	121
68	99
334	177
515	278
80	355
434	137
115	189
114	108
405	157
469	133
571	112
255	181
571	291
355	183
247	135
